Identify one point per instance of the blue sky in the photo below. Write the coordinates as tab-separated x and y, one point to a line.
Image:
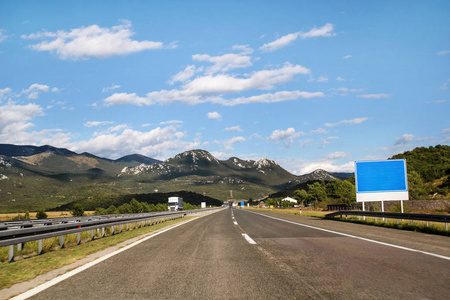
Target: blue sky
309	84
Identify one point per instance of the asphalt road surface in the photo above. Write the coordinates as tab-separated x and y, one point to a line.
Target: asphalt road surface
238	254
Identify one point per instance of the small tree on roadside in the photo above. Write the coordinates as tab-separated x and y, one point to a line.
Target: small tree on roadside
41	214
77	210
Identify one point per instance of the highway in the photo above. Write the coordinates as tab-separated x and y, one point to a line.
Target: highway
240	254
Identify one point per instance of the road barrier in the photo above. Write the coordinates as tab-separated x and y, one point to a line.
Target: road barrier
16	233
394	215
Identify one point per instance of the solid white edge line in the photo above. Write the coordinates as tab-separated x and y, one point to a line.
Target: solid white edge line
248	239
60	278
357	237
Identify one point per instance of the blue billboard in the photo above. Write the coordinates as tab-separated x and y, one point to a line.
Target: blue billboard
381	180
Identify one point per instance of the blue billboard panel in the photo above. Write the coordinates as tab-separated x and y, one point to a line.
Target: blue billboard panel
381	180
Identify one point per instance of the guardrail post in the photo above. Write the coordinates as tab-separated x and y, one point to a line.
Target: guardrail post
128	226
112	230
61	241
121	227
103	231
40	247
19	247
92	234
446	226
11	253
78	238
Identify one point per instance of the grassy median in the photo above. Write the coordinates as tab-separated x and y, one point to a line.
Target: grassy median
29	265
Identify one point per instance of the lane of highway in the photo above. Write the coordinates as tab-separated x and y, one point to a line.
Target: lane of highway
213	258
339	266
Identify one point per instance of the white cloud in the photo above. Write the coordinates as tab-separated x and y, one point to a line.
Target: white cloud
245	49
325	30
110	88
210	88
34	90
228	144
336	155
124	98
91	42
214	115
404	139
97	123
171	122
4	92
14	121
300	166
328	140
347	122
234	128
340	79
272	97
444	86
3	36
374	96
443	52
318	131
446	130
225	62
347	57
287	134
155	143
185	75
322	79
437	101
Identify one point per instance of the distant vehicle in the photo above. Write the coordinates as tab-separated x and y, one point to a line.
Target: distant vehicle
175	203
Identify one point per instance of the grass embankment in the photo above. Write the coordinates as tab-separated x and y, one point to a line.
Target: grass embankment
418	226
29	265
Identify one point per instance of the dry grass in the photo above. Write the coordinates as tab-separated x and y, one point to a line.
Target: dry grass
50	214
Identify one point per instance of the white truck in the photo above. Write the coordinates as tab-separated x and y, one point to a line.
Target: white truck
175	203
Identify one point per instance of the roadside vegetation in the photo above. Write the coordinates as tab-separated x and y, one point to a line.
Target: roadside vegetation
428	178
28	265
417	226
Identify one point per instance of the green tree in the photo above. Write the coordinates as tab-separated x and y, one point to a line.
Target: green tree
136	206
100	211
346	192
317	191
125	209
41	214
145	207
77	210
416	186
27	215
111	210
301	196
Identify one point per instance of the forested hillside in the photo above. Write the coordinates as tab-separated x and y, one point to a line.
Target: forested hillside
428	171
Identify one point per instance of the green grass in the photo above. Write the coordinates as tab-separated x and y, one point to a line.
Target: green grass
29	265
417	226
296	211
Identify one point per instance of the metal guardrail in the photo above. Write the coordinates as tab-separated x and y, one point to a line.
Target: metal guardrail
18	232
394	215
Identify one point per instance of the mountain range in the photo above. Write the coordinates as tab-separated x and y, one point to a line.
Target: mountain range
44	177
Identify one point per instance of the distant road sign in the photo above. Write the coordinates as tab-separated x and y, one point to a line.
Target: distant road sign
381	180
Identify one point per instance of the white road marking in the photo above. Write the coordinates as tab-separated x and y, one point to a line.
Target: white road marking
249	239
58	279
358	237
235	223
